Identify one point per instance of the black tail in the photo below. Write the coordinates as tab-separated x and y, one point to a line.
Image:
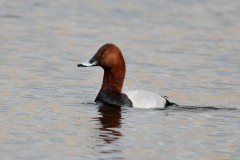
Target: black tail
168	103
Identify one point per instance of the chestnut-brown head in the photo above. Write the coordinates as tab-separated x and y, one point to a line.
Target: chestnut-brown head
108	56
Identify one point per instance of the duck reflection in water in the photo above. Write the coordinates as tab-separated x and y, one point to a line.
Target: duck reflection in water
110	118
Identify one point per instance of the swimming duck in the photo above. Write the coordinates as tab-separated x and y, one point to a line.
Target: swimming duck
110	58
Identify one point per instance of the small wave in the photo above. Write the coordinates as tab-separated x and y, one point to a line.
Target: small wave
89	103
10	16
197	108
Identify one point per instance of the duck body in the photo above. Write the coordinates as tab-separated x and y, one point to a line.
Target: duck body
110	58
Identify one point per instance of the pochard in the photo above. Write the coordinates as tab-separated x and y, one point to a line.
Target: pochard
110	58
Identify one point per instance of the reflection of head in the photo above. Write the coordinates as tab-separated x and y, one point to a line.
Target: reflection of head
110	119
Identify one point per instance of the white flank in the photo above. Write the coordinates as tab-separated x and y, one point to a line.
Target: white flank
146	99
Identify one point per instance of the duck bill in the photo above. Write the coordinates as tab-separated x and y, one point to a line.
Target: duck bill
93	62
87	64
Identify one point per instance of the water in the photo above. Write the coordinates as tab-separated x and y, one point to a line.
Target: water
186	50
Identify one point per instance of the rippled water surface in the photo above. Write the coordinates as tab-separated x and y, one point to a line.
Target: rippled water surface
186	50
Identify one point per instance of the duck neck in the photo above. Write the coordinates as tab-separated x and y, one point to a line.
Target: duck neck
113	80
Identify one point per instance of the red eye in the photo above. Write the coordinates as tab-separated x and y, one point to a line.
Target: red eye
105	53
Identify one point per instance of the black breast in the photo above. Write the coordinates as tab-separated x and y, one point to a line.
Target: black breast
114	98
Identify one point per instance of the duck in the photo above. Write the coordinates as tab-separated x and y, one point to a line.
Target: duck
111	59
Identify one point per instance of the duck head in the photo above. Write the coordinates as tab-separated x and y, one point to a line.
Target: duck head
108	57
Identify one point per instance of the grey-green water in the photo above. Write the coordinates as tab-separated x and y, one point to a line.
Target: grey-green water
186	50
